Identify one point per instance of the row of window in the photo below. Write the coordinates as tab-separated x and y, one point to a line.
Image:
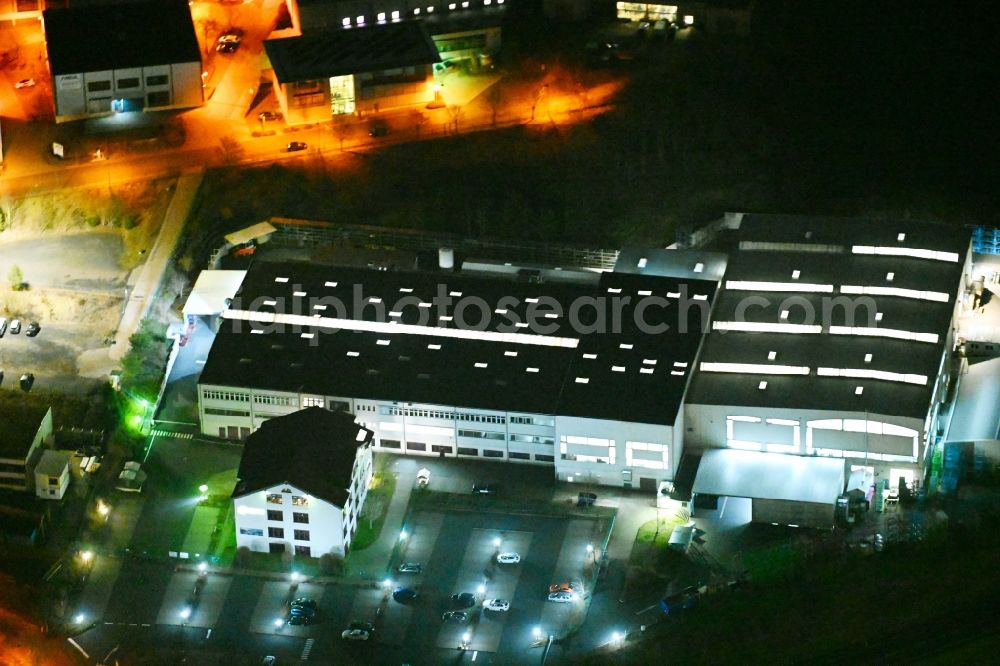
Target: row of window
439	414
231	396
211	411
394	15
278	498
278	400
464	451
483	435
126	83
279	533
279	516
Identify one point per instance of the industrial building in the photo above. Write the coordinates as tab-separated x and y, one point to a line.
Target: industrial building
784	355
106	59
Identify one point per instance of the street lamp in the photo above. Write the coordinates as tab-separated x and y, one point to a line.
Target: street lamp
295	576
278	623
86	556
80	618
536	632
466	637
103	509
482	588
186	613
402	535
496	542
387	583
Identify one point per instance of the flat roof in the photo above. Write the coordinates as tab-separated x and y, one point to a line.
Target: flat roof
340	51
576	355
312	449
757	475
18	426
697	264
52	463
102	37
253	232
211	291
878	297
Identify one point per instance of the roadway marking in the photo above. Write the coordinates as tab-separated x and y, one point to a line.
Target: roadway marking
307	649
170	433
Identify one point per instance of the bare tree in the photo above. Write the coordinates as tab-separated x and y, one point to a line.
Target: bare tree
232	150
373	508
454	115
496	99
341	128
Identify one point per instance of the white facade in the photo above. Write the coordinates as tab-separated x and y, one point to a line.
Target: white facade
168	86
16	471
52	475
283	518
890	442
615	453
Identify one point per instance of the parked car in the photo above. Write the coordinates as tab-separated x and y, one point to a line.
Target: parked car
3	326
586	499
404	595
25	83
464	599
231	36
27	381
269	660
484	488
508	558
410	567
564	587
562	597
303	602
681	601
227	47
269	115
31	331
15	326
456	616
498	605
355	635
297	620
378	127
294	146
304	611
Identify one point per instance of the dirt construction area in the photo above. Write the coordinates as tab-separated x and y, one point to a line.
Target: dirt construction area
65	262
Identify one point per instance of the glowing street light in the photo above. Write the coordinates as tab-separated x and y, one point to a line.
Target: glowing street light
403	534
536	632
103	509
496	542
86	556
186	613
482	588
295	576
80	618
203	488
387	583
278	622
202	567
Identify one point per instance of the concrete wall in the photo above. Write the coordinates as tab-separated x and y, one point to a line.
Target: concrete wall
91	93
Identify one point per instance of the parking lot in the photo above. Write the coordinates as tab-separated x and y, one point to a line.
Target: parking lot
457	551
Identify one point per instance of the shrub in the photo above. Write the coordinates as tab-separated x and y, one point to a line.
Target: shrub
131	221
331	564
94	220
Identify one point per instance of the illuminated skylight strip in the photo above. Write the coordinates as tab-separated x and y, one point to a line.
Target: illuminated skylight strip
906	252
865	373
918	294
756	368
765	327
750	285
402	329
884	333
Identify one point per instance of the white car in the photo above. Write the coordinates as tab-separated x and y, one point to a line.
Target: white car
25	83
508	558
498	605
562	597
355	635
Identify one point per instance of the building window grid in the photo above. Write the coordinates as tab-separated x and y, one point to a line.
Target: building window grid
276	400
231	396
313	402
